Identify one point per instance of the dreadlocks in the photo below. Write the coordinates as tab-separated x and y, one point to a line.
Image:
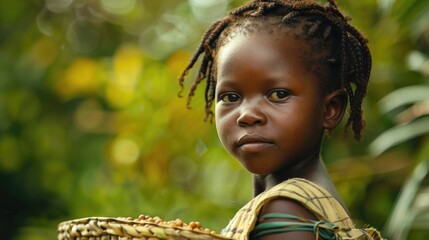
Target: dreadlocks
324	27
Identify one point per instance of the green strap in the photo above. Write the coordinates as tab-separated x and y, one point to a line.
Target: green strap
323	230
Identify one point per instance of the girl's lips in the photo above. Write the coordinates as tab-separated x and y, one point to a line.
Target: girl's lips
253	143
255	147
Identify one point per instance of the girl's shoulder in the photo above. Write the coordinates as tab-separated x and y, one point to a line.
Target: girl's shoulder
306	194
312	196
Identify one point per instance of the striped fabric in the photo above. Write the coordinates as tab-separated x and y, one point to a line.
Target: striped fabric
311	196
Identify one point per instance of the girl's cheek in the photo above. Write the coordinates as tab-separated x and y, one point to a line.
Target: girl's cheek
223	115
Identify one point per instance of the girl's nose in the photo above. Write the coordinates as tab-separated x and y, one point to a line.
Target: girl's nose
251	113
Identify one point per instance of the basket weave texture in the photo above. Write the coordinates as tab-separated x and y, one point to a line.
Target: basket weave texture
106	228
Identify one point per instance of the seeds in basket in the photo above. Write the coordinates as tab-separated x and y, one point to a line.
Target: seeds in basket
178	223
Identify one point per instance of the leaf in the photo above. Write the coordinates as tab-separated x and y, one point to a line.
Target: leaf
411	208
409	11
403	96
399	134
403	215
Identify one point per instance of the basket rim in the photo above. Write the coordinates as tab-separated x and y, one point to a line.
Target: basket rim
125	220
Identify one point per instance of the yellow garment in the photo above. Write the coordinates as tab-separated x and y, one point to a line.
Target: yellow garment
313	197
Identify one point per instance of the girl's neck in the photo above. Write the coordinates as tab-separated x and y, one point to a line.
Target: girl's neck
312	170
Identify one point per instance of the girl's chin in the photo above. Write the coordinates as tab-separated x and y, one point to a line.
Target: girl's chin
257	171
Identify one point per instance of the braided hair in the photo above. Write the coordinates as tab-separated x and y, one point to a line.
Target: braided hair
325	27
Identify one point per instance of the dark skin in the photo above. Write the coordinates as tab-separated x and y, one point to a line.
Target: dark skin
271	115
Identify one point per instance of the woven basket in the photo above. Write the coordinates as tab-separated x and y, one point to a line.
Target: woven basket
104	228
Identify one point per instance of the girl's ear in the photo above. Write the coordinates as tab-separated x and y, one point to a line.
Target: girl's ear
335	106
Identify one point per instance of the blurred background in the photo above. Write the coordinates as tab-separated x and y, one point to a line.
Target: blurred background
91	125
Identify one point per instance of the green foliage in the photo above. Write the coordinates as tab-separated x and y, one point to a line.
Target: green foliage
91	125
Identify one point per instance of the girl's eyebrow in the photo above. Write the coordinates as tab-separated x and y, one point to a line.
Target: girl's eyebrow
280	79
272	80
226	83
229	84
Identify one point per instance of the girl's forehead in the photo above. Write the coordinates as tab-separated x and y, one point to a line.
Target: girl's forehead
280	57
262	53
271	28
260	45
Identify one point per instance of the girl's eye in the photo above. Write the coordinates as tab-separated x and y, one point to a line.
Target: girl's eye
229	97
278	94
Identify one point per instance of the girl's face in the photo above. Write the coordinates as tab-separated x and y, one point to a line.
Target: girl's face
269	108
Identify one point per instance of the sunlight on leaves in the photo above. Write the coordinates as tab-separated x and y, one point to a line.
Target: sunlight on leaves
80	78
124	150
127	66
118	7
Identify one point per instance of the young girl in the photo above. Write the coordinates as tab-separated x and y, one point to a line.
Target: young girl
280	74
